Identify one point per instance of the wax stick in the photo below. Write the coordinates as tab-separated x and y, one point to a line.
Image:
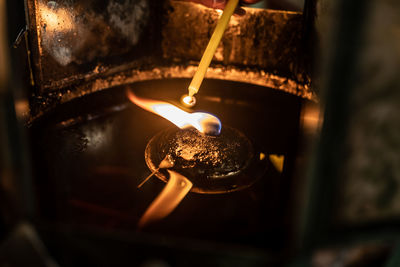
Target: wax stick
211	47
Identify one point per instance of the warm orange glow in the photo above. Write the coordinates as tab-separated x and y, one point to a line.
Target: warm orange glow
175	190
188	101
277	161
203	122
58	19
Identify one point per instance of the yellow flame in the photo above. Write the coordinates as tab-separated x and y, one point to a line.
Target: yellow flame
188	101
169	198
277	161
203	122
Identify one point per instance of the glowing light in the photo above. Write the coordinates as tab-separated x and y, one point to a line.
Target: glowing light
56	19
203	122
277	161
188	101
173	193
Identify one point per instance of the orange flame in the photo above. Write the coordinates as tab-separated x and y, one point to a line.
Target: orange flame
169	198
203	122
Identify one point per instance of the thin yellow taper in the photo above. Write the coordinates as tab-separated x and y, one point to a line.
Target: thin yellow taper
211	47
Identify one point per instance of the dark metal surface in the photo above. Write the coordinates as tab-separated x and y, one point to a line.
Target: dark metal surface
88	164
16	197
80	40
79	47
355	175
214	164
74	41
263	39
77	247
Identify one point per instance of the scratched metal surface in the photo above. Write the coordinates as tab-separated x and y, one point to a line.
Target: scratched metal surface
89	158
80	47
75	40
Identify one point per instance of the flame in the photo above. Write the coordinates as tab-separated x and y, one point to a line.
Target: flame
203	122
169	198
277	161
188	101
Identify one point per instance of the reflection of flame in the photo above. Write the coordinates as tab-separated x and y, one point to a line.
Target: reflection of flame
176	189
58	19
59	32
204	122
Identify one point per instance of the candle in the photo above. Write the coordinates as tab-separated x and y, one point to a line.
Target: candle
211	47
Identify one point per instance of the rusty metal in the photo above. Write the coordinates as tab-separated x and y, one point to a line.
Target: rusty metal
266	39
214	164
264	47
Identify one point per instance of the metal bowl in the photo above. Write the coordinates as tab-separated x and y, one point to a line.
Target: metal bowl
214	164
